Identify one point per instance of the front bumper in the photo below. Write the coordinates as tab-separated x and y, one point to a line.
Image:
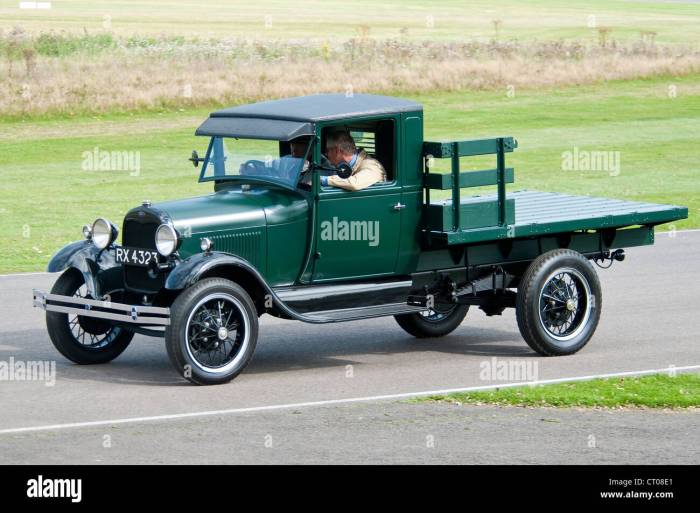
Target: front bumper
132	314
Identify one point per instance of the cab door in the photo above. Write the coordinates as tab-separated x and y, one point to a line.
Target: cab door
357	233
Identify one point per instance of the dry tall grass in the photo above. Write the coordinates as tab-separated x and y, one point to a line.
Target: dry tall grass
133	74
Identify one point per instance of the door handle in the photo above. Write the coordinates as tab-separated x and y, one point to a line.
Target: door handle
399	206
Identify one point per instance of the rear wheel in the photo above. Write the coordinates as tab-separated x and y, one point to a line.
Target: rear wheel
435	322
213	331
83	340
559	303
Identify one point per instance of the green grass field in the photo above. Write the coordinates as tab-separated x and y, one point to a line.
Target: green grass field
416	19
653	123
46	196
657	391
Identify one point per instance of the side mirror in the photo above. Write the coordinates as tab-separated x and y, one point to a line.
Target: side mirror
195	158
344	170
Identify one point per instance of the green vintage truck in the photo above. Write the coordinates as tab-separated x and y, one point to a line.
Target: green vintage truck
272	239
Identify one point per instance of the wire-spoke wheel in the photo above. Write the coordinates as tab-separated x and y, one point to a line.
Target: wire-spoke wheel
90	332
558	304
213	331
437	321
216	332
83	340
438	313
565	304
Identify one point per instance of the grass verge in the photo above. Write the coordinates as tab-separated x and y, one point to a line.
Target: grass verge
657	391
74	77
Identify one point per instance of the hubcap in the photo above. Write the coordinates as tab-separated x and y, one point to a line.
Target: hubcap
89	332
217	333
438	313
565	304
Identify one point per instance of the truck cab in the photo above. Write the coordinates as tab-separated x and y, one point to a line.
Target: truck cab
390	130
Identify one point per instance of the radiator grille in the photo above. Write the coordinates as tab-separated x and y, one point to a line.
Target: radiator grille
140	232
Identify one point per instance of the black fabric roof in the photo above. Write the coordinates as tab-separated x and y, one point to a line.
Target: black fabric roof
255	128
321	107
289	118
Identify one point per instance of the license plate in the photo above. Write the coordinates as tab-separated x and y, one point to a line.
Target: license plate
136	256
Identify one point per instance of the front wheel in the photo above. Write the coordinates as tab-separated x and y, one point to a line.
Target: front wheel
436	322
213	331
83	340
559	303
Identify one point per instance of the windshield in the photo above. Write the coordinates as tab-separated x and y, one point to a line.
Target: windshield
229	158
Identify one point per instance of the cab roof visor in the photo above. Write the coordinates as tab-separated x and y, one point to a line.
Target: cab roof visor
254	128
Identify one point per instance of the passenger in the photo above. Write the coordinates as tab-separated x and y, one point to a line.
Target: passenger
298	147
340	148
287	166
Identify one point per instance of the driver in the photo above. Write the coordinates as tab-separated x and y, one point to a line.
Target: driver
340	147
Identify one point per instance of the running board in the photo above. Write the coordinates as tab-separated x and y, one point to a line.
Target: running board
306	299
353	314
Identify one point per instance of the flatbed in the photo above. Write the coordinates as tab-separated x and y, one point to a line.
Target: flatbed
546	213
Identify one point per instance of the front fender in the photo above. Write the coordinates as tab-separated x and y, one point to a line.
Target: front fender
189	271
98	267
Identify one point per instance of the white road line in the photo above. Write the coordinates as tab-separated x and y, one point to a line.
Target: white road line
674	232
15	275
331	402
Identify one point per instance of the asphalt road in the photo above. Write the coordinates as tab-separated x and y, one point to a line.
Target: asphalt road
649	321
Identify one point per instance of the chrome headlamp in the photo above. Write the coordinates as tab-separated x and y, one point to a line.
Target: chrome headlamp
103	233
167	240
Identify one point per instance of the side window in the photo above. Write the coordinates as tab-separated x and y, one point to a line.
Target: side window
366	141
376	138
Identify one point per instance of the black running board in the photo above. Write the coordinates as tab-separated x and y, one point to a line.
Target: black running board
309	299
353	314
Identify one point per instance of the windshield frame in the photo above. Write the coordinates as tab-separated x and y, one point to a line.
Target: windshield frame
253	179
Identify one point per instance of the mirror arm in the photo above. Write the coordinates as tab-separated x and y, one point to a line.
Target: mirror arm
196	159
319	167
